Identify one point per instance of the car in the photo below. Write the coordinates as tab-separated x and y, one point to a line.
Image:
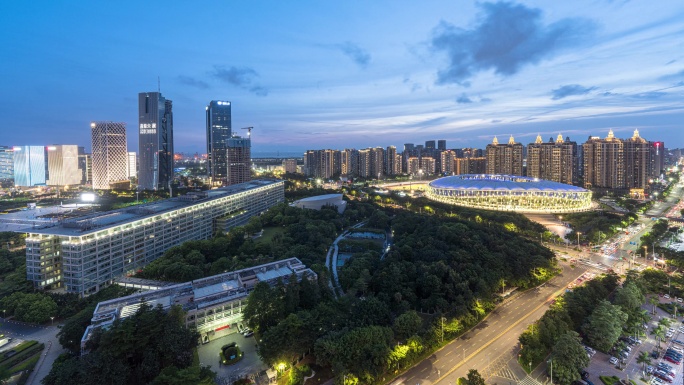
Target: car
584	374
655	354
677	349
670	359
624	354
667	296
656	381
669	335
667	373
664	366
650	369
680	300
663	377
678	342
613	360
248	333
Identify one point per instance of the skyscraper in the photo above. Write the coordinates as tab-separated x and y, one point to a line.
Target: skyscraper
219	130
553	160
441	144
63	167
110	155
85	165
637	161
505	159
604	162
30	167
155	124
239	159
6	162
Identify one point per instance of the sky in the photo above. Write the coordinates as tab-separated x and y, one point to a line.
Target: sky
346	74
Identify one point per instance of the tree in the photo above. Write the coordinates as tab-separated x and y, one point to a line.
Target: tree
569	357
629	298
604	326
659	334
474	378
264	308
644	358
407	324
654	302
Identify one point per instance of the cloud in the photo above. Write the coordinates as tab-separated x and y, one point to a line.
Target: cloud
360	56
570	90
649	95
190	81
507	37
240	77
463	99
673	77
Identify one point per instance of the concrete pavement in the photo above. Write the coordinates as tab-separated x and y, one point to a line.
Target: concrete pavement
44	334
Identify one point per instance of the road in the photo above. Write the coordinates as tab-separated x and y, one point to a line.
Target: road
44	334
493	343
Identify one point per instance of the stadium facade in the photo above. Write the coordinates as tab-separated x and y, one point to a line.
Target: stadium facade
87	253
509	193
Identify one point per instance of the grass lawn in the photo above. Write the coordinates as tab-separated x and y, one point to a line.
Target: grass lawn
269	233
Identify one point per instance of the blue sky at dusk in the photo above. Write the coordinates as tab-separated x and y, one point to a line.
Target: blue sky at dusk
320	74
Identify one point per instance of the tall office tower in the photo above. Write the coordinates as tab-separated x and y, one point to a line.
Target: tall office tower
658	154
6	163
430	145
409	147
553	160
441	144
110	155
447	162
63	167
239	159
155	145
85	166
30	166
219	130
391	167
604	162
505	159
637	161
132	165
290	165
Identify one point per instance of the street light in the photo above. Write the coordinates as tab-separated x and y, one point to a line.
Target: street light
551	361
578	245
51	319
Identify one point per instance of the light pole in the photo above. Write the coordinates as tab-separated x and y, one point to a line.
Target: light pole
51	320
578	245
551	361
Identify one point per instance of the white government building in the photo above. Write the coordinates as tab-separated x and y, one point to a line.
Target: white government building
87	253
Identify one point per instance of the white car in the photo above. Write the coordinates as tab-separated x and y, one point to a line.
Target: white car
680	300
613	360
669	335
657	381
666	296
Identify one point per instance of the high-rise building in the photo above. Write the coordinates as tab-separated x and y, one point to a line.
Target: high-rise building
638	165
219	131
6	163
63	167
553	160
87	253
371	162
132	165
290	166
409	147
658	154
155	145
30	166
441	144
505	159
323	163
430	145
420	166
604	162
447	162
239	158
110	155
85	165
392	161
470	166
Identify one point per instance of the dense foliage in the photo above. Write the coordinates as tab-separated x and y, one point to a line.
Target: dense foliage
152	346
597	226
306	234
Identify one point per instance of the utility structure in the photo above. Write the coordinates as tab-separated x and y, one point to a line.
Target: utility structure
249	131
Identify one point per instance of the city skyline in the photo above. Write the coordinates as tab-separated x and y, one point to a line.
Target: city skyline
344	75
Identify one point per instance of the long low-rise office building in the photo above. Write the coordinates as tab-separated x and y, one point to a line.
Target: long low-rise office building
210	304
88	253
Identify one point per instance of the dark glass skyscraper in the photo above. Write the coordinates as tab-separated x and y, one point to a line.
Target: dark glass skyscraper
155	145
219	130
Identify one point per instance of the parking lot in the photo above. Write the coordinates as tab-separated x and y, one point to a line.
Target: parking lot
629	368
249	365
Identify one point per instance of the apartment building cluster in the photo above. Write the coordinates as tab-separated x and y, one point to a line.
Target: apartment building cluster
600	163
110	165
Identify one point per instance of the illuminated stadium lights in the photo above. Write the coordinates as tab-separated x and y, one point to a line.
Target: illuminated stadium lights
509	193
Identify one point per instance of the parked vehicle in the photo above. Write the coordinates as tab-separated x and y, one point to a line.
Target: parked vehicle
613	360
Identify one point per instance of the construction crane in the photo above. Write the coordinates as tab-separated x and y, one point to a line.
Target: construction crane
249	130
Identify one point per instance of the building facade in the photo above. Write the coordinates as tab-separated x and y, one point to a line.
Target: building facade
6	162
210	304
470	165
239	158
556	161
604	163
85	254
110	155
63	165
506	159
155	144
30	165
219	131
132	165
290	166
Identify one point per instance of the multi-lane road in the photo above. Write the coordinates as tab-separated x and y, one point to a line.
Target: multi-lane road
492	344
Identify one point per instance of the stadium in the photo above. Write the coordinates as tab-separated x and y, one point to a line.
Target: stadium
509	193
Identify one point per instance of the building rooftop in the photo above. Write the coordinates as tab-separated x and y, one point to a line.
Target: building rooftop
96	222
501	183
